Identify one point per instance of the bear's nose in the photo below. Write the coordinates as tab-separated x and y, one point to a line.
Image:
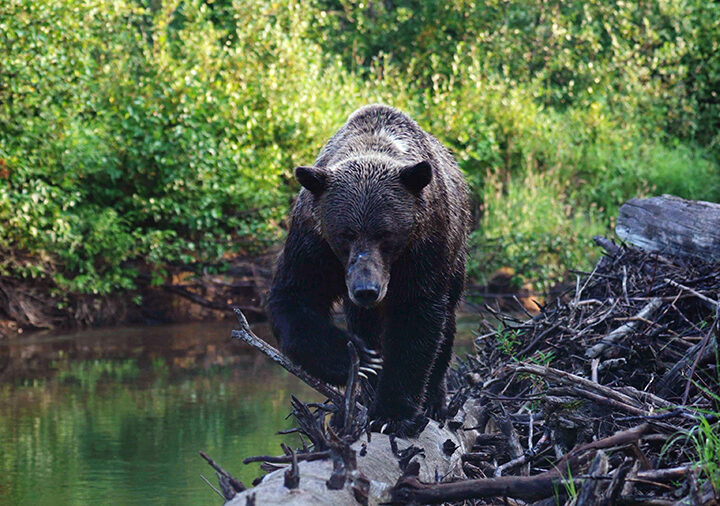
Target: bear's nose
366	294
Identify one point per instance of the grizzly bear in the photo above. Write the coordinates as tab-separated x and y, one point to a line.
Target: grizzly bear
381	224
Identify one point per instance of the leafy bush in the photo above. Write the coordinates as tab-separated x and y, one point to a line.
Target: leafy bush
528	223
592	102
137	134
138	137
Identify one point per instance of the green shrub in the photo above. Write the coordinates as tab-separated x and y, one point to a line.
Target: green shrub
130	142
138	134
527	223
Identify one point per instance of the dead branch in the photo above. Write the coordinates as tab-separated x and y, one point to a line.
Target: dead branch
245	334
411	490
646	313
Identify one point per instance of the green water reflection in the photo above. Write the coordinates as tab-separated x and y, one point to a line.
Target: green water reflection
117	416
128	430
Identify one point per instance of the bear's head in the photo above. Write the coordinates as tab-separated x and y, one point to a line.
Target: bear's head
367	211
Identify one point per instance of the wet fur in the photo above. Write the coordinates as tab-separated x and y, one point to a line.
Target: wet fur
414	325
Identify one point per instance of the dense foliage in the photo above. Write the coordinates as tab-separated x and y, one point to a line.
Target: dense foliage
137	134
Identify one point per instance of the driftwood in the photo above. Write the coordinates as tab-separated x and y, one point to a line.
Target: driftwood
377	465
672	226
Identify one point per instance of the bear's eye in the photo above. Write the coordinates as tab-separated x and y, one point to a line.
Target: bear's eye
383	235
348	235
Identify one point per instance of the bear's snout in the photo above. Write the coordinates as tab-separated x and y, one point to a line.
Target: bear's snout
364	280
365	295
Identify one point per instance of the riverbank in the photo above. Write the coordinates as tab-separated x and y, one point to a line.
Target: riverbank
189	294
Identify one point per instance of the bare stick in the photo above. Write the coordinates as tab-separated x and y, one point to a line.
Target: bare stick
644	314
286	459
574	381
618	439
608	401
350	390
613	491
594	370
694	292
672	377
292	475
411	490
236	484
213	487
608	245
245	334
519	461
668	474
592	489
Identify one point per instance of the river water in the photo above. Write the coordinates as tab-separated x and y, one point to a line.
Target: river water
118	415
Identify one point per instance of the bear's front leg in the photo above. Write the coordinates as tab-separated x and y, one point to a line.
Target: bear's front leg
435	395
308	280
413	333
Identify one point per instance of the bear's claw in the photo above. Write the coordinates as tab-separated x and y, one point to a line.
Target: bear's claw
404	428
371	362
368	370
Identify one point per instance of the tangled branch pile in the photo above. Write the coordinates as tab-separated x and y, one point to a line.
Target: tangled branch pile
633	349
609	396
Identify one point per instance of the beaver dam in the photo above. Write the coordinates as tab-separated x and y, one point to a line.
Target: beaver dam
610	395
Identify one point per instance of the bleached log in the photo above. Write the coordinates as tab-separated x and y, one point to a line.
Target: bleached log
379	465
672	226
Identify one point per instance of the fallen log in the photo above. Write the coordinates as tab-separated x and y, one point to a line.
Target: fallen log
672	226
377	466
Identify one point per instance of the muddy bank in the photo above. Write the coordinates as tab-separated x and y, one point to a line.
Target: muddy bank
181	347
190	293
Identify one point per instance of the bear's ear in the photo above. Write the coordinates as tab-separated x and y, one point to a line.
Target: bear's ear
416	177
312	178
